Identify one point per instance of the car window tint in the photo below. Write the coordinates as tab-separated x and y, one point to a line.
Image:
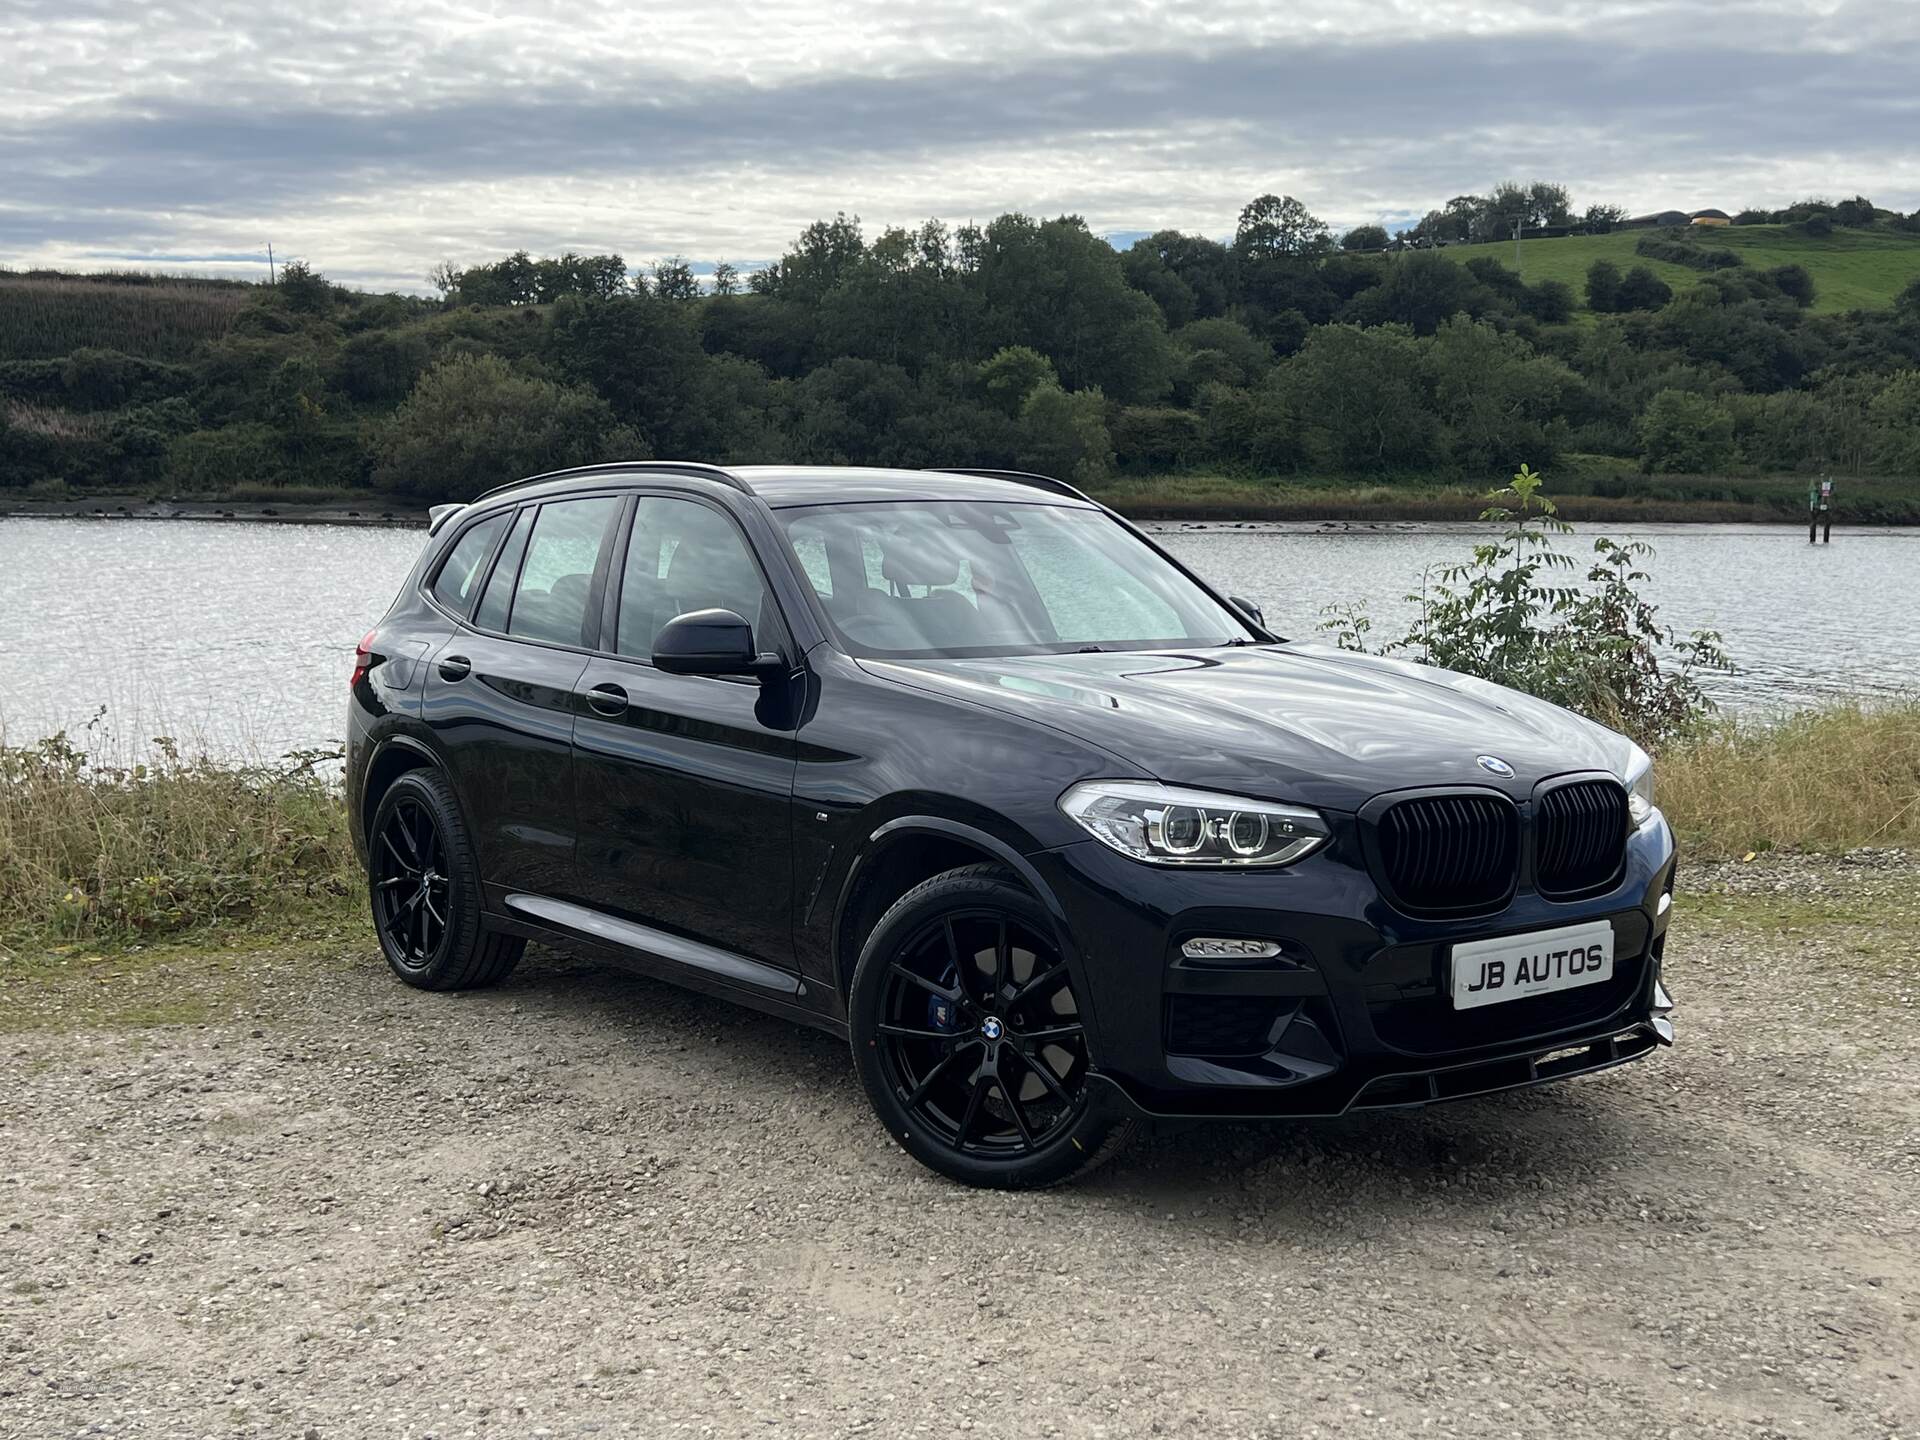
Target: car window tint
459	576
556	578
684	556
498	597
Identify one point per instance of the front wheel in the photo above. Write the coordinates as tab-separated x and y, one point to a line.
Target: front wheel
970	1041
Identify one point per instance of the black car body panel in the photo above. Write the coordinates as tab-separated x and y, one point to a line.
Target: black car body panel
729	833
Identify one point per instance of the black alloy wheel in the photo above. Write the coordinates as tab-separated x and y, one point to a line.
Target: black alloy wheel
410	890
982	1039
424	885
970	1040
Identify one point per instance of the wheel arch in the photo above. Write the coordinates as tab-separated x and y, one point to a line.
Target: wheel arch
907	850
397	755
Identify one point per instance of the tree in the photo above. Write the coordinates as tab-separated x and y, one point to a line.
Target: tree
1683	433
640	353
1855	213
1057	287
1643	290
1363	396
1013	373
305	289
1895	415
673	279
1365	237
823	256
1064	433
726	279
1603	287
1600	219
1421	290
472	422
1279	227
1495	396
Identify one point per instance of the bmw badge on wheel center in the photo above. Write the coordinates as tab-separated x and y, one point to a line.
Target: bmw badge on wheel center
965	769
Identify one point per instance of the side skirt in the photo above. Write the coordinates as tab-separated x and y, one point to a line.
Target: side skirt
664	956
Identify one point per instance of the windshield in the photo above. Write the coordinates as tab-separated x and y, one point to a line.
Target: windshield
926	578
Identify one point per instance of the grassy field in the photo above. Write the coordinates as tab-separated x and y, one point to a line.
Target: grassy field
93	856
1851	269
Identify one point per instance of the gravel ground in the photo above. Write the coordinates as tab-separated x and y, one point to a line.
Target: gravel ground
587	1203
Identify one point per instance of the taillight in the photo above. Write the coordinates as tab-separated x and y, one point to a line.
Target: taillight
362	658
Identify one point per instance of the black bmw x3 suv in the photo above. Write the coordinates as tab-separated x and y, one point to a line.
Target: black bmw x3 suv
964	768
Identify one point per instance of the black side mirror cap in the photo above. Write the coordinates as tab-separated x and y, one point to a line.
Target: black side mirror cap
1248	609
712	642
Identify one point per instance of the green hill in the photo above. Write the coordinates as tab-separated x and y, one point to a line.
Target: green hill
1851	269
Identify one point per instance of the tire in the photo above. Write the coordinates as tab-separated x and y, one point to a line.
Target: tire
424	889
968	1038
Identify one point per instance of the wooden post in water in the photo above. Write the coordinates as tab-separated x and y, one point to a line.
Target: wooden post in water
1820	511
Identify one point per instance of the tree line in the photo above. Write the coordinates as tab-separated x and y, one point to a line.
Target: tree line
1022	342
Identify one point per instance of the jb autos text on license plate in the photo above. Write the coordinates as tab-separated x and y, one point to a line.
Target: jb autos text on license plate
1485	972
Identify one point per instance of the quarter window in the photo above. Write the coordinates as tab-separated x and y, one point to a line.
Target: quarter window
550	599
684	556
460	575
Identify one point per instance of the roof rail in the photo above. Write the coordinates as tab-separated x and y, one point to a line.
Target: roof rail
1018	477
693	468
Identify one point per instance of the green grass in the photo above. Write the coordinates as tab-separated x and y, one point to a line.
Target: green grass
1851	269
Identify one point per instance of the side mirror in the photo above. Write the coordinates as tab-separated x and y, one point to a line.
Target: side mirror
711	642
1248	609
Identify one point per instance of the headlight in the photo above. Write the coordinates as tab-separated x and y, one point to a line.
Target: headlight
1165	826
1639	778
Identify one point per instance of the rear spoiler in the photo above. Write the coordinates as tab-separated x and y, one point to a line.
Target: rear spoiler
438	515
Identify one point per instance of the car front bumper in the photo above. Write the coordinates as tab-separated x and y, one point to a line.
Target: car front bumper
1354	1013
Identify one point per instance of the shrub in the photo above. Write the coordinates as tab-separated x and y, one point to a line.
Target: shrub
473	422
88	849
1064	433
1684	433
1680	252
1521	613
1156	437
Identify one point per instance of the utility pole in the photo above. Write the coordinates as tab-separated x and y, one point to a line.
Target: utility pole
270	279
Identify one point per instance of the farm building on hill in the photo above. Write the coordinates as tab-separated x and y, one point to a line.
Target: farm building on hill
1709	217
1658	217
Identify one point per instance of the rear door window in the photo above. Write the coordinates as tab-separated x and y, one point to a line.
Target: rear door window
497	599
460	573
552	595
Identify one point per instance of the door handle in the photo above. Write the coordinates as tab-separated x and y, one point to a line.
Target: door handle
607	700
455	667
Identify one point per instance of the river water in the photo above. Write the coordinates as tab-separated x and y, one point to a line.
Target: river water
236	637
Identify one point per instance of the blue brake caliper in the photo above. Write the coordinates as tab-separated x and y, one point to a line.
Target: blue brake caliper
943	1015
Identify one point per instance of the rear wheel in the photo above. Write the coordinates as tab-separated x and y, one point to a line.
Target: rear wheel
425	890
970	1040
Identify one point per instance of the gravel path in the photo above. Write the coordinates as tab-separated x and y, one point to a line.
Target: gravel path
591	1204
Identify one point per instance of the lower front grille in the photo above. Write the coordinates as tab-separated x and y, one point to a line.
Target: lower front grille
1222	1024
1449	854
1411	1009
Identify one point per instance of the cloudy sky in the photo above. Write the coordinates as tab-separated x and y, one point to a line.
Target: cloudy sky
374	139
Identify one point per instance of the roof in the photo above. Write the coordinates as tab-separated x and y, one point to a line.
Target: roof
782	486
785	486
1709	215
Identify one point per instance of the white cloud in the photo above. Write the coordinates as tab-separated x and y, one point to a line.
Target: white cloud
377	139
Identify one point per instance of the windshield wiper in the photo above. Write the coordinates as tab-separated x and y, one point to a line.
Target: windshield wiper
1091	650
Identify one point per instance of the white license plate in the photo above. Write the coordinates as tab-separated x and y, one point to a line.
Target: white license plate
1485	972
